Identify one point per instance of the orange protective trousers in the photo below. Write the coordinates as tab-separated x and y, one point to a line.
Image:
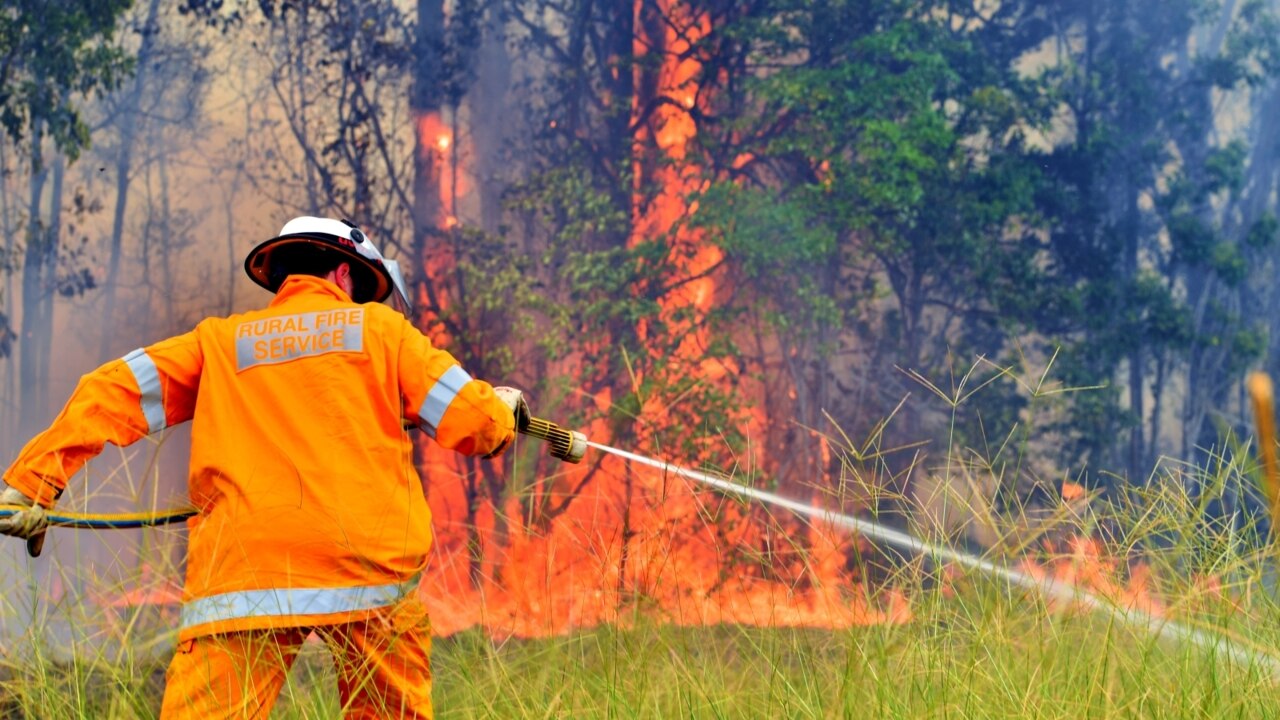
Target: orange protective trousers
383	666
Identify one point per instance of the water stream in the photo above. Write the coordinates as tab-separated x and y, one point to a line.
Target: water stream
1048	587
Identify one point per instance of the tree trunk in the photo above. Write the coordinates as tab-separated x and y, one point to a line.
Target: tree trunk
488	116
50	282
427	103
624	554
472	481
165	237
32	416
124	165
10	417
301	66
1130	228
1157	403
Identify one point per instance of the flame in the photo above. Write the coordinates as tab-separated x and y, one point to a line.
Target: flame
666	134
1088	566
568	577
631	532
150	590
433	133
165	594
436	137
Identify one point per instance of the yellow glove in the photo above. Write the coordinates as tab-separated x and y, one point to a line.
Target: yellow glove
23	518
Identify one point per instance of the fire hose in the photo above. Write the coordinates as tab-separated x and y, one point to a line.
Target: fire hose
562	444
107	521
570	446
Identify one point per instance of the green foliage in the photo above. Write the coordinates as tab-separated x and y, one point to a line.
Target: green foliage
1262	233
51	54
604	308
1252	52
1152	282
493	312
889	201
763	233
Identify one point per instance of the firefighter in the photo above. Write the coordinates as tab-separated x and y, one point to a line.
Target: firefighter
312	517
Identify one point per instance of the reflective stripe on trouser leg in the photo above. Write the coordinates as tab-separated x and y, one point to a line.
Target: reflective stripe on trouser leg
440	396
148	379
278	602
383	666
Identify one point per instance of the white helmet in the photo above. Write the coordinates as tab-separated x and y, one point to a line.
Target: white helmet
313	237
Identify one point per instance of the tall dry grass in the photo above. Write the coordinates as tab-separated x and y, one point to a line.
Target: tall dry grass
1181	544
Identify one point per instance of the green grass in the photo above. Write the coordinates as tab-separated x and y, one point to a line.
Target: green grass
983	652
966	657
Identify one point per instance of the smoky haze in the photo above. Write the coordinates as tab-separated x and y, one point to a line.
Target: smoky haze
789	243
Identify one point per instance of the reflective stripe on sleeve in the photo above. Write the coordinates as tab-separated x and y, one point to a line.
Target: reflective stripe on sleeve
277	602
439	397
148	379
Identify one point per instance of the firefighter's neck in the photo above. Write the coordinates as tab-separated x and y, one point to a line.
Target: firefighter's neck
341	276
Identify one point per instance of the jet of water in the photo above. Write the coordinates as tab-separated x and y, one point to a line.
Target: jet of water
1049	587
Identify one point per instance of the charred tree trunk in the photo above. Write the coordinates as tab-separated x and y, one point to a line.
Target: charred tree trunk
499	538
488	116
475	539
426	102
624	554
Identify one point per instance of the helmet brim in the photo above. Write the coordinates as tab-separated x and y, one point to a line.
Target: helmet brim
257	264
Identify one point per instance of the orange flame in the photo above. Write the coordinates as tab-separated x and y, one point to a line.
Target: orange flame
1072	491
634	532
433	132
1088	567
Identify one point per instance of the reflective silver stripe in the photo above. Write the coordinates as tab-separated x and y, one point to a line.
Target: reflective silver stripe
438	399
275	602
148	379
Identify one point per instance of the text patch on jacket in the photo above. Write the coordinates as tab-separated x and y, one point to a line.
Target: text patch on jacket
282	338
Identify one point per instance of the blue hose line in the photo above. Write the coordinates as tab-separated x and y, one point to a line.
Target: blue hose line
107	521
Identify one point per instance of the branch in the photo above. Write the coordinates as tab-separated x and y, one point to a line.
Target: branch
653	105
667	289
547	41
382	149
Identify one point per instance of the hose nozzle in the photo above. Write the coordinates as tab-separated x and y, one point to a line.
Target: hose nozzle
567	445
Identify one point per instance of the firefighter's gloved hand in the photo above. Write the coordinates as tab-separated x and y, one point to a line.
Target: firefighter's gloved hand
515	400
28	523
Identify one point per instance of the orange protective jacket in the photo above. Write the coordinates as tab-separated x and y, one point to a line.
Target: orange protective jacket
310	509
